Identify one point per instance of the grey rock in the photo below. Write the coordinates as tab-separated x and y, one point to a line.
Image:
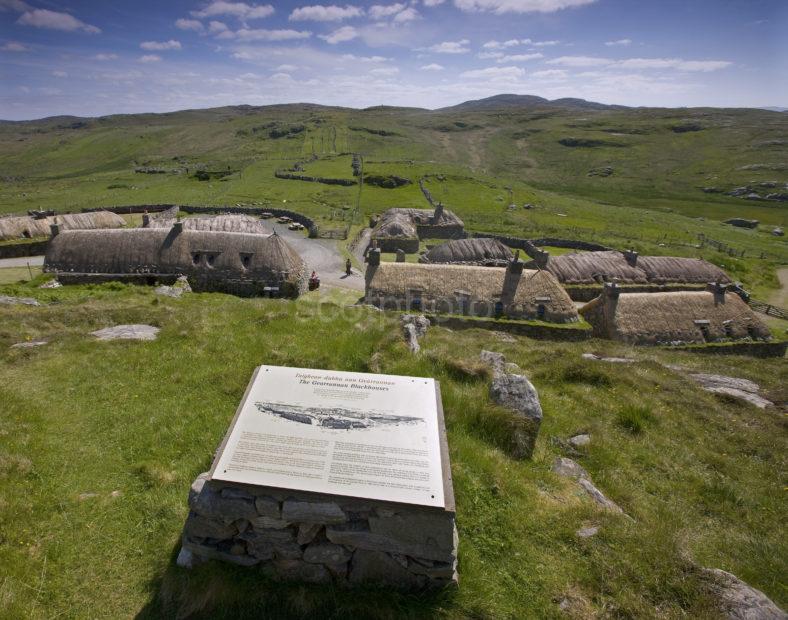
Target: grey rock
307	532
268	507
568	468
326	553
598	496
298	570
504	337
180	287
18	301
493	359
30	344
185	559
209	503
257	546
236	493
420	529
438	570
357	536
587	532
263	523
197	486
212	553
614	360
743	389
127	332
51	284
288	551
739	601
276	536
312	512
414	326
376	567
580	440
201	527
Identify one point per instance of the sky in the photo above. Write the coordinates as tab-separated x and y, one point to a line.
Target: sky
99	57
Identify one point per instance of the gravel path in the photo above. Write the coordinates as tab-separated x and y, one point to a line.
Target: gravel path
22	261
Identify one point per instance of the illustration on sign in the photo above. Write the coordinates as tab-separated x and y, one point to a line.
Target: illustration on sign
344	433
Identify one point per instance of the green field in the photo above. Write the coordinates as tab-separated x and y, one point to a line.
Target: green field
99	442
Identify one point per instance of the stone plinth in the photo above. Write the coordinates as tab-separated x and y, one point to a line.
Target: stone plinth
297	536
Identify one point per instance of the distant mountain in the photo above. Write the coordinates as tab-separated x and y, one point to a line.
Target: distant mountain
497	102
775	109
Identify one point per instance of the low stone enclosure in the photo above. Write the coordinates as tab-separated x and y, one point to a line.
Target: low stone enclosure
512	292
309	537
237	263
675	318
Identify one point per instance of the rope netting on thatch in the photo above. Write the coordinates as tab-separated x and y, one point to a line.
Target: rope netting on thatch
675	317
401	223
395	226
612	266
212	255
21	227
218	223
440	286
469	251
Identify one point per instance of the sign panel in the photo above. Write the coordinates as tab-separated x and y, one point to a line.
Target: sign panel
341	433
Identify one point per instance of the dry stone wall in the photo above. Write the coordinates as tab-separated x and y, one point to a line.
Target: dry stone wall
307	537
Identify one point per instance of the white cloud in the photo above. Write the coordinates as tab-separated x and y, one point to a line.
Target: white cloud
407	15
365	58
579	61
332	13
519	57
494	73
245	34
217	26
189	24
619	42
380	11
703	65
385	71
673	63
496	45
340	35
518	6
103	57
282	77
550	74
153	46
60	74
149	58
14	5
433	2
241	10
286	68
544	43
53	20
14	46
432	67
451	47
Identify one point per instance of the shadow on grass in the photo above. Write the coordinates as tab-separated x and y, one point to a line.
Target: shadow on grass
218	590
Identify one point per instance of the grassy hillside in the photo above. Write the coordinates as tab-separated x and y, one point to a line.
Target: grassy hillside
98	453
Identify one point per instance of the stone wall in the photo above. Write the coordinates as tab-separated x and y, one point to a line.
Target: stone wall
29	248
527	245
537	331
752	349
392	244
308	537
587	292
428	231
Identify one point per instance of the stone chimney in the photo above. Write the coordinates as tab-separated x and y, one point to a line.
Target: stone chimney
145	220
718	290
400	255
611	290
511	279
177	227
54	229
631	257
438	213
541	258
373	257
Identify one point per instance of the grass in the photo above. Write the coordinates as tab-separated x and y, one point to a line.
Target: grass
100	442
10	275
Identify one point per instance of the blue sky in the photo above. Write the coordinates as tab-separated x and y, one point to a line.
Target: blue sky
95	57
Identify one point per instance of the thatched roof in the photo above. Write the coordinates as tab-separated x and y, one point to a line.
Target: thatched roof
401	223
612	266
676	317
527	291
167	251
170	213
20	227
217	223
469	251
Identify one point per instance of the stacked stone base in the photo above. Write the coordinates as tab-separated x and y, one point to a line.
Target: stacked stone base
307	537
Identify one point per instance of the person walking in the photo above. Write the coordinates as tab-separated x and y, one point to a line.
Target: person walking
348	267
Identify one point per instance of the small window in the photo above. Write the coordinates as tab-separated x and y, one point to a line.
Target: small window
210	259
246	260
728	326
540	310
196	257
499	308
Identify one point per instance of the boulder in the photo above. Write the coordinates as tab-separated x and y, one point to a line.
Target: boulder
414	326
127	332
18	301
30	344
743	389
570	469
580	440
739	601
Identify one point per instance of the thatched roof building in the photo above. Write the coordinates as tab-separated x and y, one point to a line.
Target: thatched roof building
466	289
26	227
672	318
238	263
402	228
629	268
216	223
477	251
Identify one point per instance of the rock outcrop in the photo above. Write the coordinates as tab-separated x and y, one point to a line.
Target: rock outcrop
414	326
739	601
